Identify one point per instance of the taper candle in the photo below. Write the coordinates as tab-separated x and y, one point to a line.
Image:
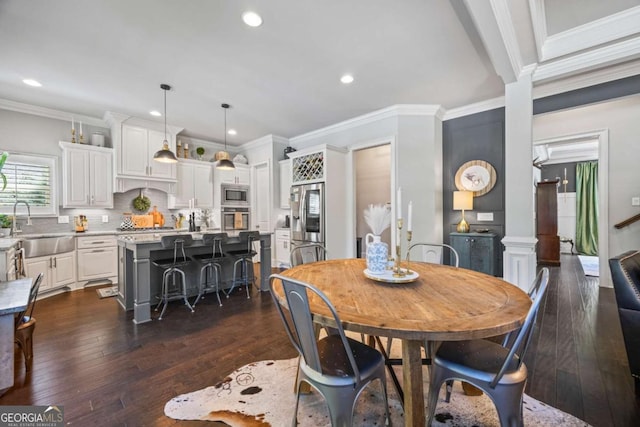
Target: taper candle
81	127
73	126
409	215
399	202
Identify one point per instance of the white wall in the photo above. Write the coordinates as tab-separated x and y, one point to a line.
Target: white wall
620	117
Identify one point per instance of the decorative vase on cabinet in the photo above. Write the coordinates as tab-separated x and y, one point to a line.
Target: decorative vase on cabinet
377	254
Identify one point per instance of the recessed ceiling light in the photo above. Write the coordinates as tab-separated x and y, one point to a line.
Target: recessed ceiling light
232	132
252	19
346	79
155	113
32	82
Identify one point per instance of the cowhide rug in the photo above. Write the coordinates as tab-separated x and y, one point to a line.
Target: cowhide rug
261	394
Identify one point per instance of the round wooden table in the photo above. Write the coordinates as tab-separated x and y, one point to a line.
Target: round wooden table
444	304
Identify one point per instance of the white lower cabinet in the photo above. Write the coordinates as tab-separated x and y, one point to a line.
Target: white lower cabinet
59	270
97	258
283	247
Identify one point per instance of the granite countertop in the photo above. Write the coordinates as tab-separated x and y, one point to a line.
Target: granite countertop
14	296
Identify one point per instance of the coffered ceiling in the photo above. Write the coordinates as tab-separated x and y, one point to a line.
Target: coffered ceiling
283	77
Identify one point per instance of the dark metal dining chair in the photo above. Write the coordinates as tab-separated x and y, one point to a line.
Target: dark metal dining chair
338	367
434	253
173	271
304	254
211	267
498	370
25	324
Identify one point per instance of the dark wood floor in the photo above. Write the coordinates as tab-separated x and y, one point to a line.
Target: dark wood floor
105	370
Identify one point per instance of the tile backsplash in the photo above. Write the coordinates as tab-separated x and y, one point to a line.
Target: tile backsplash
122	202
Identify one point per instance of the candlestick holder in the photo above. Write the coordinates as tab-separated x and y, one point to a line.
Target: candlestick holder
81	138
73	136
397	270
409	236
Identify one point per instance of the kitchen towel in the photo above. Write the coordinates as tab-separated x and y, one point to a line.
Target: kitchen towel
237	220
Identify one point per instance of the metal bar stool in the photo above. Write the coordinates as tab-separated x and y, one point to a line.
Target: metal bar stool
173	267
243	260
211	265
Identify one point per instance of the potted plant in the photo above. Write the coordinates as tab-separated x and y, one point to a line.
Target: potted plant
3	158
200	152
5	225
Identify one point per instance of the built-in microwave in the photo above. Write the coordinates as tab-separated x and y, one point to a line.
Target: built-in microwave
235	219
235	195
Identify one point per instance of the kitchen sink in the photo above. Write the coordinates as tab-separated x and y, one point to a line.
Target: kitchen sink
48	246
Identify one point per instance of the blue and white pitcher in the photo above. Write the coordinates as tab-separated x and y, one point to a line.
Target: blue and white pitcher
377	254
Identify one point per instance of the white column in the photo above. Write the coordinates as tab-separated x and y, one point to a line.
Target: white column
519	241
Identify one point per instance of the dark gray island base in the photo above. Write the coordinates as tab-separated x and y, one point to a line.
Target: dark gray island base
139	281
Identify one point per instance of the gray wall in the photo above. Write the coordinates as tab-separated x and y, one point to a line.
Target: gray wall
551	172
476	137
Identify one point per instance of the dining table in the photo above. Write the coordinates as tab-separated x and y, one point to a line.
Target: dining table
434	303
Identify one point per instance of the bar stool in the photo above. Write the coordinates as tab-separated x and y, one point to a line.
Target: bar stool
211	264
244	260
174	267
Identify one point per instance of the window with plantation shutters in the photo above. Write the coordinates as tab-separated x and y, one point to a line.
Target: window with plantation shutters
31	179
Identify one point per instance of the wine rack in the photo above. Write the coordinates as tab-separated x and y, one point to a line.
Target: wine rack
309	167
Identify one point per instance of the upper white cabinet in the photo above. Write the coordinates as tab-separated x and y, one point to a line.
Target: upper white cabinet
195	182
135	141
137	150
87	176
285	183
240	175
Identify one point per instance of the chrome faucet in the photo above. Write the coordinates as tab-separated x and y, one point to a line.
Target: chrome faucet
14	228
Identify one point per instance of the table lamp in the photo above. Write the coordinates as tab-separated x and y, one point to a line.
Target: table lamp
462	200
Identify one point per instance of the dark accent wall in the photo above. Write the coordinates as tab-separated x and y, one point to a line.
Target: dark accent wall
588	95
476	137
552	172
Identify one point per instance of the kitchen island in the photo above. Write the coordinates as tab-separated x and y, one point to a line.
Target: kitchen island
139	281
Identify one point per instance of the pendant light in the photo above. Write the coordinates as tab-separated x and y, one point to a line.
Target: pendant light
223	156
165	155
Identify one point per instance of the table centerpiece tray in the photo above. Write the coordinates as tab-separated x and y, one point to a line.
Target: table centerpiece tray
388	276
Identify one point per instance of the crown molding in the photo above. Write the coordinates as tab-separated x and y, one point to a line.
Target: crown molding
539	23
262	141
374	116
592	78
587	61
596	33
50	113
478	107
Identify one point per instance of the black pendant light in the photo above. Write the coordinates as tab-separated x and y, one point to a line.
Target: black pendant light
223	156
165	155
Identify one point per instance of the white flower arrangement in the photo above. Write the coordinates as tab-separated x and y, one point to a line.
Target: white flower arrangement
378	218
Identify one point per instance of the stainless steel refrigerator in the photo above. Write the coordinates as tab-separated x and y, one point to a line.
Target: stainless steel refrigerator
307	214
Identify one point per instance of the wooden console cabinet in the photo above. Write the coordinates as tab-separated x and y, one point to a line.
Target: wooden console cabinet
548	249
477	251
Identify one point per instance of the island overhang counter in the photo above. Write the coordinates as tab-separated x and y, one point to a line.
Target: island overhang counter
139	281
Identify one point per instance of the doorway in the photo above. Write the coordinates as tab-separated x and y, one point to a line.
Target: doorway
576	148
372	170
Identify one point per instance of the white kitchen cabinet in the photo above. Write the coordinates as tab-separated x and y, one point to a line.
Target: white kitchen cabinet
136	152
241	175
59	270
283	247
285	183
87	176
195	182
97	258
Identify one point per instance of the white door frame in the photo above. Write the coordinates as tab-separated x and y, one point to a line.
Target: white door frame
602	135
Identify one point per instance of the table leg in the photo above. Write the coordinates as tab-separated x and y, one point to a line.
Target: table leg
414	413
